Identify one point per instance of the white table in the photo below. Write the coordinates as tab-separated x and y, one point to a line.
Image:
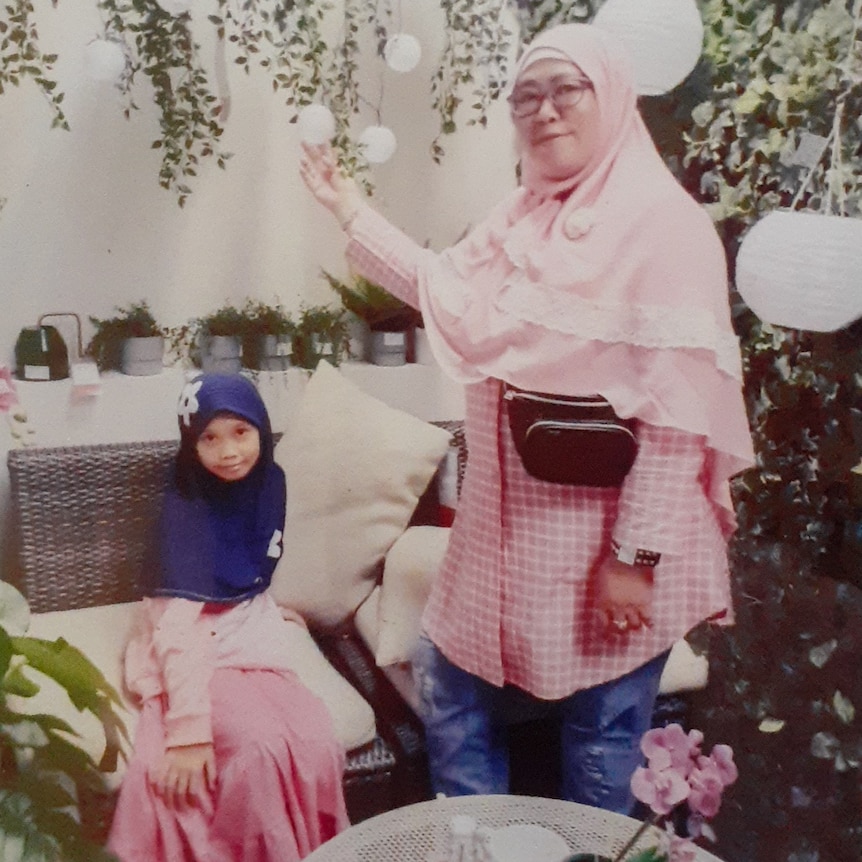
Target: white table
412	833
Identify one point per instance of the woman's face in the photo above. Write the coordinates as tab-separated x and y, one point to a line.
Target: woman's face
229	447
561	138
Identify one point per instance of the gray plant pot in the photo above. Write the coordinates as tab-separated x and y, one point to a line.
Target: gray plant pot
222	353
274	352
143	356
388	348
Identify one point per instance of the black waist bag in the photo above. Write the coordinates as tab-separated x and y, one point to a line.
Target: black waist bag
570	441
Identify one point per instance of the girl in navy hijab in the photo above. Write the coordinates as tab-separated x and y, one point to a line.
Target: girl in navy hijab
234	759
221	525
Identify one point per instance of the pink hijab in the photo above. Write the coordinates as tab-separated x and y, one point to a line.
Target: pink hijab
618	288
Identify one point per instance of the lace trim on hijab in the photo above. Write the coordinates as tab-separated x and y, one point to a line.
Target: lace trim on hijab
645	326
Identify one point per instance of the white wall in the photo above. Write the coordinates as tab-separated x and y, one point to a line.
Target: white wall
86	227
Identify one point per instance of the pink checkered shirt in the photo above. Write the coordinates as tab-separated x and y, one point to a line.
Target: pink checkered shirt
511	603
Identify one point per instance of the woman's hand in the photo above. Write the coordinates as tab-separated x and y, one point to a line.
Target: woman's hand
186	776
320	173
623	596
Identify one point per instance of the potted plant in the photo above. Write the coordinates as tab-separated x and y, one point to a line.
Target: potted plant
390	322
268	337
131	341
217	339
45	774
321	333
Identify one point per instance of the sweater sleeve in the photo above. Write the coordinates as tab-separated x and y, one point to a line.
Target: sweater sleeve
385	255
654	507
185	652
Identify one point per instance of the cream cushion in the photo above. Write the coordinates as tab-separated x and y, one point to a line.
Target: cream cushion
101	633
408	574
355	470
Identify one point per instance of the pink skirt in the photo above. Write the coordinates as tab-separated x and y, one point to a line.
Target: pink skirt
278	792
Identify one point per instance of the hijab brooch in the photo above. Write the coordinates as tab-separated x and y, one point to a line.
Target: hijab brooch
578	223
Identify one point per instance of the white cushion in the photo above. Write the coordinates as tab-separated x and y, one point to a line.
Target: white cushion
408	575
685	670
101	633
355	470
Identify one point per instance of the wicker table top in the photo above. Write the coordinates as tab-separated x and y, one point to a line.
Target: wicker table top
416	833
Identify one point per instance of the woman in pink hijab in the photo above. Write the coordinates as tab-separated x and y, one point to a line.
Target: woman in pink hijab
599	275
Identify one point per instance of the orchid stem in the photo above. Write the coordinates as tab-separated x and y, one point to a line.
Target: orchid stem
651	821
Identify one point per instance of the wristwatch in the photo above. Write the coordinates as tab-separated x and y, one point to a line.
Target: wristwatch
635	556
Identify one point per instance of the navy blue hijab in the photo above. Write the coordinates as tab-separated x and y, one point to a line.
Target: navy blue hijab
219	541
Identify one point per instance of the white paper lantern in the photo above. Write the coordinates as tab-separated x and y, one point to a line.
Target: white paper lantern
402	52
803	270
105	60
316	124
175	7
379	144
664	39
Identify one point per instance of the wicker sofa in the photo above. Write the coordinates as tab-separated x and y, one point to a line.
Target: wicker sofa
82	516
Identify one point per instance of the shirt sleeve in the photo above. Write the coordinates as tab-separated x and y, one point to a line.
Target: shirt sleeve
185	651
655	503
385	255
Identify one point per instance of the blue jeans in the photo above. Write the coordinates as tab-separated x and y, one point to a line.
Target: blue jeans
466	718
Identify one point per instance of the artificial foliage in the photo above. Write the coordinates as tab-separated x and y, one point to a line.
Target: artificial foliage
22	59
44	770
313	51
134	321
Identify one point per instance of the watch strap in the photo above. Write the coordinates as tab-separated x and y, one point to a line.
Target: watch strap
635	556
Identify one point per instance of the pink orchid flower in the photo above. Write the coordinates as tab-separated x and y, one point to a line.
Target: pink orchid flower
671	748
8	393
722	756
661	789
706	785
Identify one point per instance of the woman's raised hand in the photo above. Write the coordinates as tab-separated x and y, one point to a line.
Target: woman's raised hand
319	170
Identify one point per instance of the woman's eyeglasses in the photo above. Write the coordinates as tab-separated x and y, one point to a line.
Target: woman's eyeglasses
563	94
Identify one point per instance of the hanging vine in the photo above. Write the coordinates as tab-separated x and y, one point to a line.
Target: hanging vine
160	46
21	57
288	40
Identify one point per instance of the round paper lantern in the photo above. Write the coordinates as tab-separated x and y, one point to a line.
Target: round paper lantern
379	144
803	270
316	124
105	60
402	52
664	39
175	7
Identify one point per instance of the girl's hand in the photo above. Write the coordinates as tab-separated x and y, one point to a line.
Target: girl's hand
186	776
320	173
623	596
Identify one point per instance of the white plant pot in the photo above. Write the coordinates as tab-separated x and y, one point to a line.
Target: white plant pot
143	356
222	353
424	354
274	352
388	348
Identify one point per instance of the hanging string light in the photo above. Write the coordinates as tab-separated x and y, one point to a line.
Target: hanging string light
316	124
105	60
664	39
801	269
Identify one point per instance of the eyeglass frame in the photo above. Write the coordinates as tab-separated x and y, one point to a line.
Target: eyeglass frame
551	92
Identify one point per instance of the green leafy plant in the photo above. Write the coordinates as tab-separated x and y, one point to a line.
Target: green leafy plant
134	321
321	332
162	49
43	768
263	319
22	58
374	304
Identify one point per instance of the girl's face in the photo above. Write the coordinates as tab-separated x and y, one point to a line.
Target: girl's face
561	135
229	447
